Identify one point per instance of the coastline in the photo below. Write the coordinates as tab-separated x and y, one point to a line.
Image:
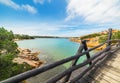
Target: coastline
22	39
29	57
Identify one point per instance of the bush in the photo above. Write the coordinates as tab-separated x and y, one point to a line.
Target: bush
90	36
115	35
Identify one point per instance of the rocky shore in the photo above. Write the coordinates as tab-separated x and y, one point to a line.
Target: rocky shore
29	57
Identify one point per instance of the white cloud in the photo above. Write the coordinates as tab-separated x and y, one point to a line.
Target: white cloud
29	8
32	28
95	11
53	29
12	4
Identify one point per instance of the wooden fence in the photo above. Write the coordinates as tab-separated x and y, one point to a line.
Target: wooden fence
82	51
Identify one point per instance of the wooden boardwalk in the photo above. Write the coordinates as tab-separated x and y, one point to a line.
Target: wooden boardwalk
106	72
109	72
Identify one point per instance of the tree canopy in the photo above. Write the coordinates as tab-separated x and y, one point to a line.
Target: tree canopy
8	51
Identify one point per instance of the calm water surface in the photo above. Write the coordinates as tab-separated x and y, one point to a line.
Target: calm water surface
52	49
55	48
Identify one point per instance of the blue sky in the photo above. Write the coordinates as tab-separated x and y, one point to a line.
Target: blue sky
59	17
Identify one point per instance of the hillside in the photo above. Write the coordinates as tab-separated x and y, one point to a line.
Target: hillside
97	38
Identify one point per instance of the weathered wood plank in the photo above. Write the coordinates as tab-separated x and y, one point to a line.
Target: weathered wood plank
109	72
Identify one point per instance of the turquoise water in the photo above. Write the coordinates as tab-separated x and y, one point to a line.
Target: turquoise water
52	49
56	48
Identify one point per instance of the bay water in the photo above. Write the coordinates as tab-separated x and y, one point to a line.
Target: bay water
51	50
55	48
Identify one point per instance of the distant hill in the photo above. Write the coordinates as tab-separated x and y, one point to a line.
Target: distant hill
97	38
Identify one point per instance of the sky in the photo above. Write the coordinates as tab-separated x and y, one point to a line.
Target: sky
59	17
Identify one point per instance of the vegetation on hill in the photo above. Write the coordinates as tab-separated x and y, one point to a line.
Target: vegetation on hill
8	51
90	36
115	35
47	37
97	38
20	37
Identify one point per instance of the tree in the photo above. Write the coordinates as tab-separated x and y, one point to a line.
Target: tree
8	51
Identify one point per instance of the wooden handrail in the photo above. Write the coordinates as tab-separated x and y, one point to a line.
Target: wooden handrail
109	35
59	76
86	48
67	72
83	46
90	67
37	71
74	62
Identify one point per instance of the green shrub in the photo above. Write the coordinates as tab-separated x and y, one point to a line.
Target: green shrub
90	36
115	35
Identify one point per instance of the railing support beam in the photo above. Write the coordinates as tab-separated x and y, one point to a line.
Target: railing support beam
86	48
109	36
74	62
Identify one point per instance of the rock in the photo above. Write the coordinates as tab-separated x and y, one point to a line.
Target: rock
27	50
31	58
35	53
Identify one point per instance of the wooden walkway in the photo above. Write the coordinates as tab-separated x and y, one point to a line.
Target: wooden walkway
109	72
106	72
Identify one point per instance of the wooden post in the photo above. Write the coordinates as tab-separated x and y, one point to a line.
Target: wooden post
74	63
83	46
109	36
78	52
86	48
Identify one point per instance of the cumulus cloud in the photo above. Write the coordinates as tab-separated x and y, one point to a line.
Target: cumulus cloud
93	11
12	4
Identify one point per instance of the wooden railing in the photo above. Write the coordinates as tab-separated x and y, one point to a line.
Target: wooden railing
82	51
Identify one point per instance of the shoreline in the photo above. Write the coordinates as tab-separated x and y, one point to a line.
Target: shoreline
29	57
21	39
